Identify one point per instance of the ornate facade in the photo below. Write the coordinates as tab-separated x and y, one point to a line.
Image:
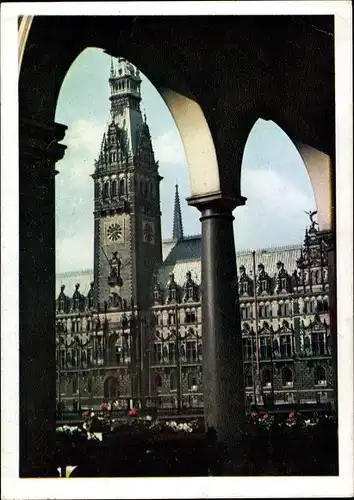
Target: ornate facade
132	326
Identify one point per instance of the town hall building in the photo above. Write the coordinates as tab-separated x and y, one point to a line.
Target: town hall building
131	327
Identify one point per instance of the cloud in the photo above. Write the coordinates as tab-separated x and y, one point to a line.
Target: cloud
85	136
74	252
274	211
268	189
169	149
83	141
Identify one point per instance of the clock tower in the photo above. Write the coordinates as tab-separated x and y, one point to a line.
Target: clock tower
127	217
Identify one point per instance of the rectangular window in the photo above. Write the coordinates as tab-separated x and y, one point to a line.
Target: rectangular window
318	344
247	349
62	358
172	352
89	356
158	353
266	348
191	352
285	346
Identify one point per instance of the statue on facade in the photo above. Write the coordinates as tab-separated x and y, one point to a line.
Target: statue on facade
314	225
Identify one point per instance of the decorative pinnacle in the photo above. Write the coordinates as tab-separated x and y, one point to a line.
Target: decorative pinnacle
177	232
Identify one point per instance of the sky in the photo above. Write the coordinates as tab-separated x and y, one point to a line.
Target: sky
274	179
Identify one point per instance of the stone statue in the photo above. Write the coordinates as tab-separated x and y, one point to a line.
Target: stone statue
314	225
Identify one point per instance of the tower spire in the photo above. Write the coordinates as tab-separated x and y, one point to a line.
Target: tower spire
177	232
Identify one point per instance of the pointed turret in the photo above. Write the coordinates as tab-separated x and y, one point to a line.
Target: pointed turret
177	233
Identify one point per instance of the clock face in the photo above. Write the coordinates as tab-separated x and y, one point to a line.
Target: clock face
148	232
114	232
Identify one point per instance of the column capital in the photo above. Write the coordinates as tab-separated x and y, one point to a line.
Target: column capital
216	201
39	142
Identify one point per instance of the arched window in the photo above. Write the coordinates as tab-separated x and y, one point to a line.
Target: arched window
268	311
97	189
325	305
106	190
142	188
121	187
173	381
158	381
248	379
249	314
266	378
286	309
111	388
192	382
89	385
287	377
320	376
114	188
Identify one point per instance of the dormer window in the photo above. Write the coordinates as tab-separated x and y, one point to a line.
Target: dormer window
172	289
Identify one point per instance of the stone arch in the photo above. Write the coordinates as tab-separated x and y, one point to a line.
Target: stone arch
186	111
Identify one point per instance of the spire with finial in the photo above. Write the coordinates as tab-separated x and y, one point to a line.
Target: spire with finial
177	232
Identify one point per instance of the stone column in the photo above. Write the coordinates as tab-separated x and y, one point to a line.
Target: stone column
38	152
329	239
223	385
